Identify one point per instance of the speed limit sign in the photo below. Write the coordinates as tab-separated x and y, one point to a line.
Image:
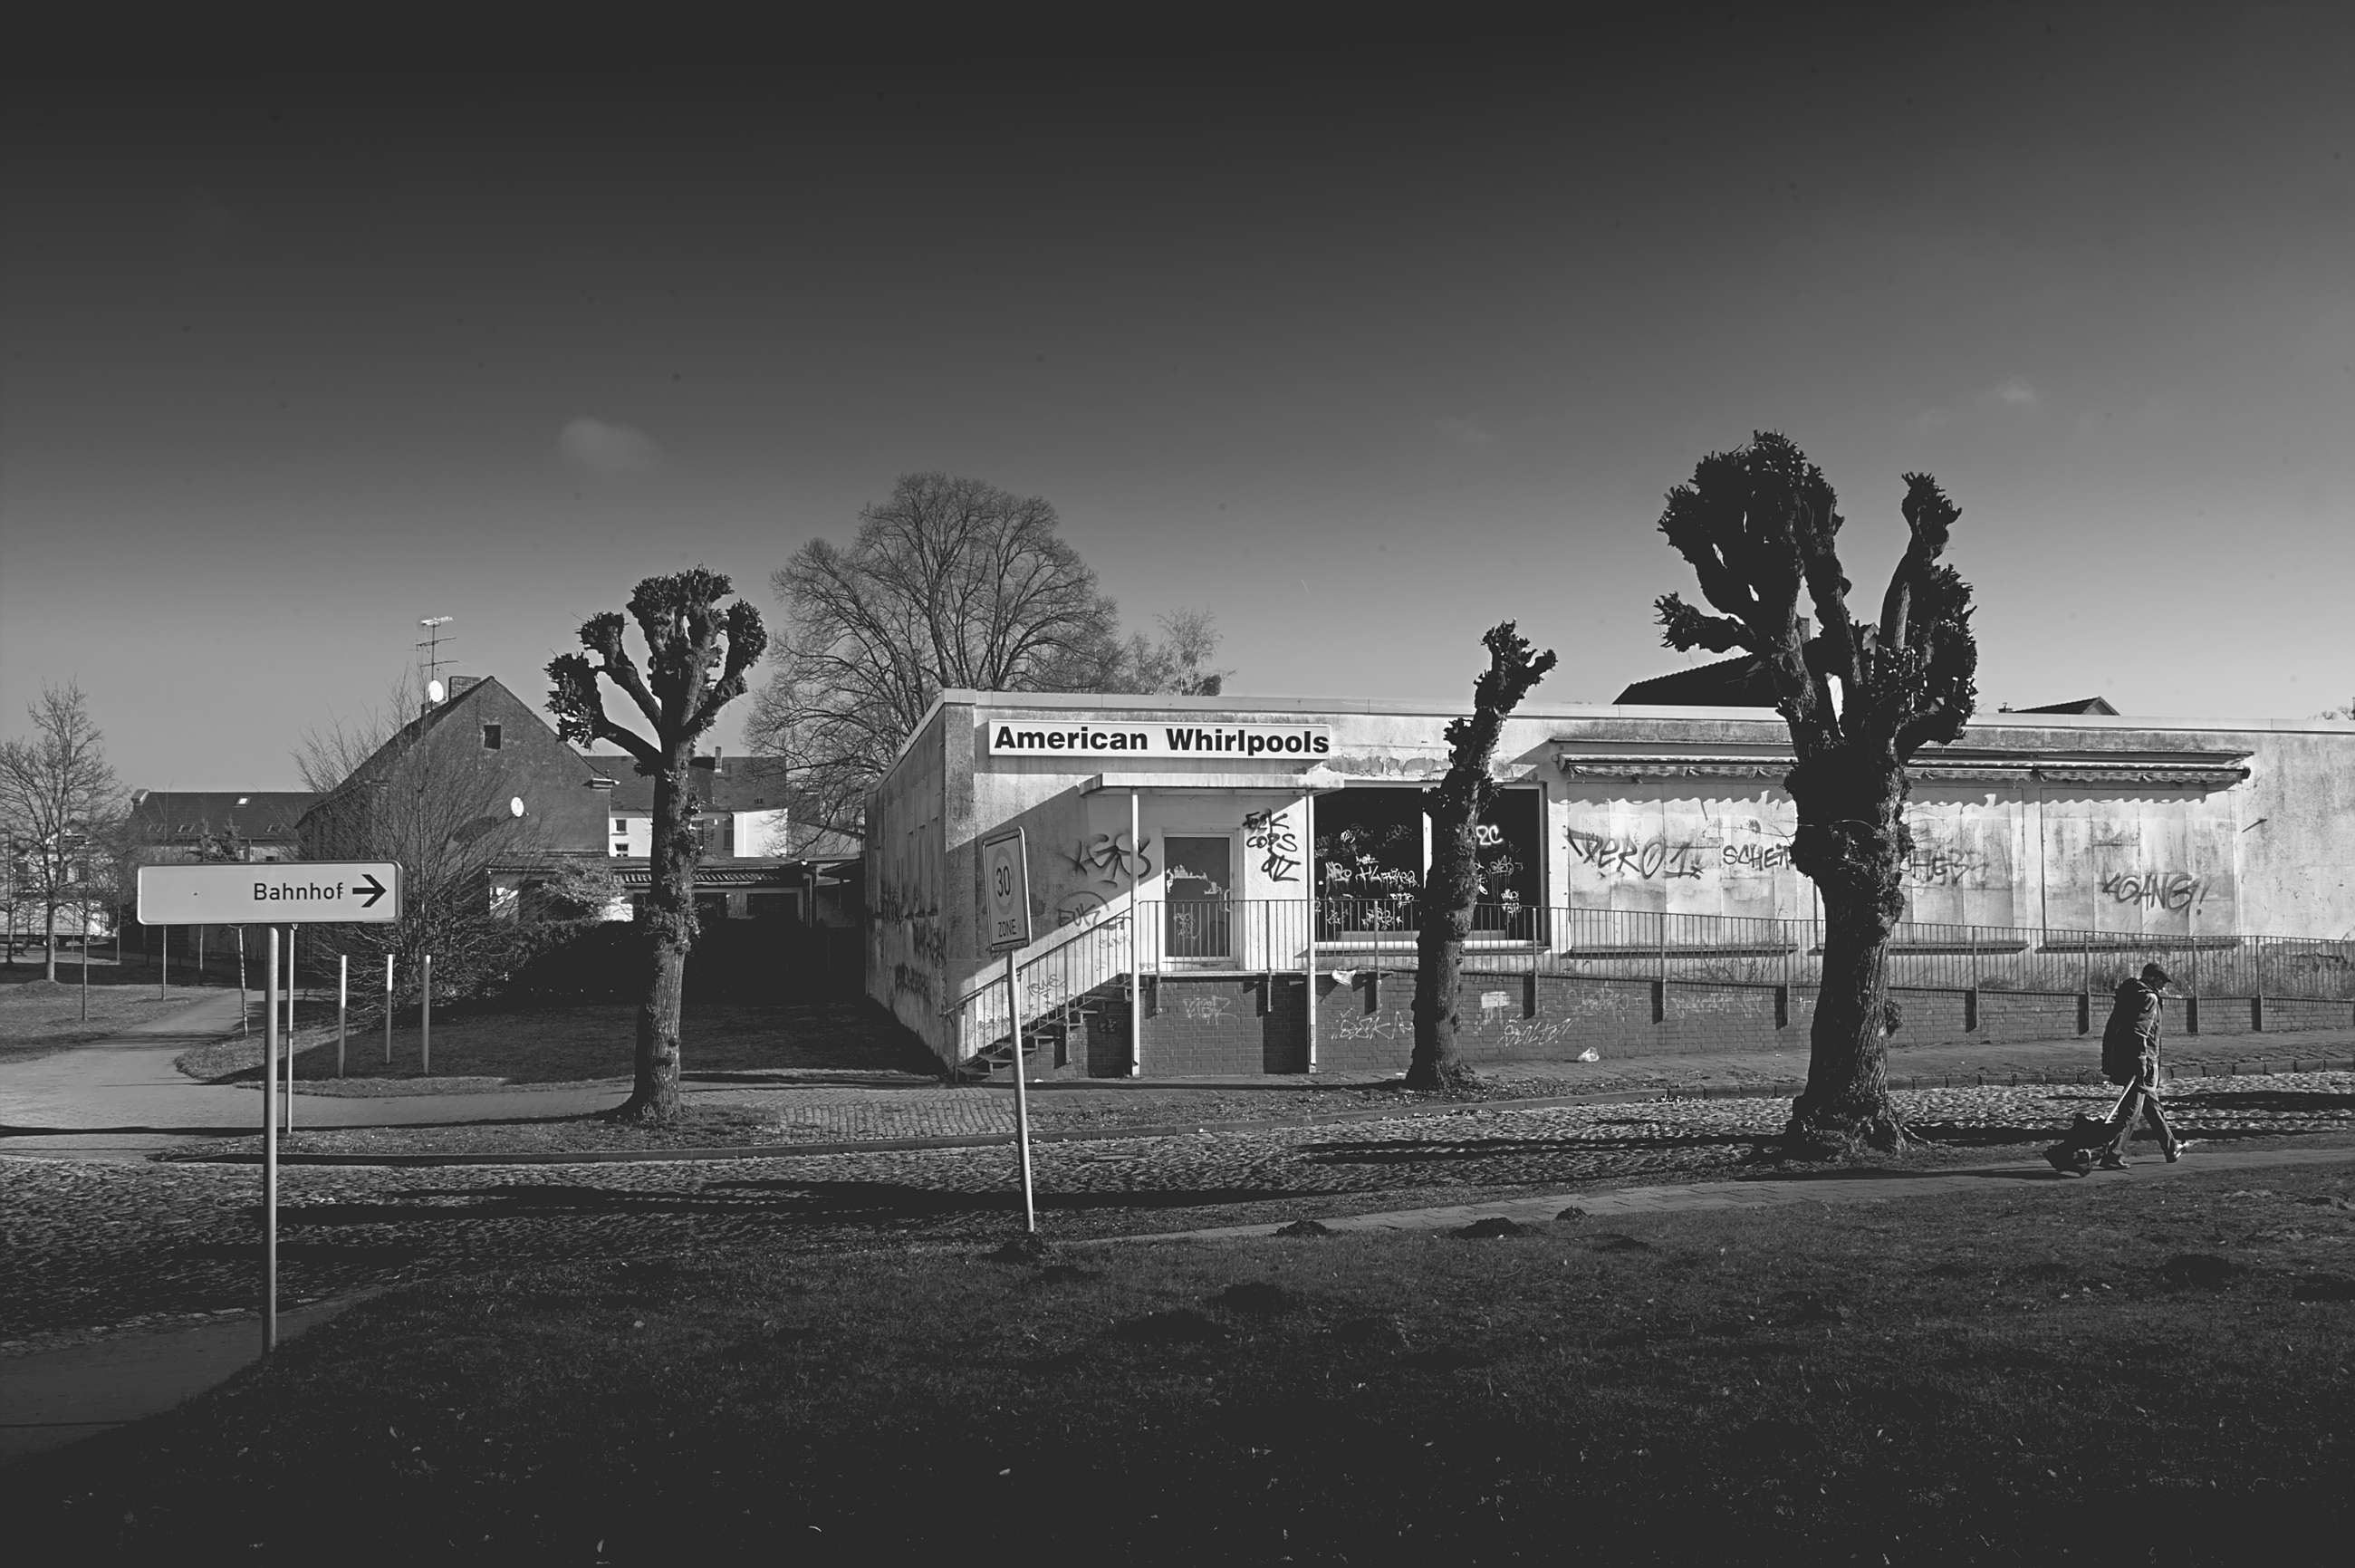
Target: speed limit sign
1006	880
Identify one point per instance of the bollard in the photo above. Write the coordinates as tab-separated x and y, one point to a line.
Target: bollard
387	1009
343	1000
425	1018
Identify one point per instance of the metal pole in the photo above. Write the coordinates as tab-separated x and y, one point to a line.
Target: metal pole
1021	1095
268	1156
387	1009
343	1000
290	1030
1308	958
1135	935
85	962
164	965
425	1018
242	1005
2191	930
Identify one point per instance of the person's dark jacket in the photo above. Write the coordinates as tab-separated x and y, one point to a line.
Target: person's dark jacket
2130	1040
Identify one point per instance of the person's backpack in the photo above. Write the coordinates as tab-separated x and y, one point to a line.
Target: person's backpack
2121	1045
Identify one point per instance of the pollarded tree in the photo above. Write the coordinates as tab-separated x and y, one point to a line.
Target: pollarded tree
1760	526
1455	808
689	678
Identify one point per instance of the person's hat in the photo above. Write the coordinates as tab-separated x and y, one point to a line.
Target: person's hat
2155	978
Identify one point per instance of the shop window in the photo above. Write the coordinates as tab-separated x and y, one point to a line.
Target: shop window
1371	860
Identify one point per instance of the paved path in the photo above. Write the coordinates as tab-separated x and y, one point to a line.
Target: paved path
1688	1198
122	1097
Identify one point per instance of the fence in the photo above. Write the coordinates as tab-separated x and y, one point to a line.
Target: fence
1063	971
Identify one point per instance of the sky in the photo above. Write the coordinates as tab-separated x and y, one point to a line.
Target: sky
1361	337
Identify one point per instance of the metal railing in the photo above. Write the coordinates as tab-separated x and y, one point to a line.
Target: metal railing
1068	970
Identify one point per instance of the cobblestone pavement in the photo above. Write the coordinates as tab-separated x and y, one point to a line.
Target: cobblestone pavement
98	1247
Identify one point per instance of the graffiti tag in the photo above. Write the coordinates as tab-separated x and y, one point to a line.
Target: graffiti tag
1115	857
1756	856
1936	866
2162	889
1271	834
1642	858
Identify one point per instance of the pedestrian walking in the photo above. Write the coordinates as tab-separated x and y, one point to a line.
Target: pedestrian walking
2130	1060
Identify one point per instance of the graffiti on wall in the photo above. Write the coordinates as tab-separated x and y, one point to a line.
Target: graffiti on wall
1114	858
912	982
1270	832
2155	890
1645	859
1944	866
1755	857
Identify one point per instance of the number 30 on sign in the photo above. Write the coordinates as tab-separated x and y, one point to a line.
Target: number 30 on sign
1006	877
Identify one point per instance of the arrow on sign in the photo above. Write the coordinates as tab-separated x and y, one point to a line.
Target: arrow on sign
374	889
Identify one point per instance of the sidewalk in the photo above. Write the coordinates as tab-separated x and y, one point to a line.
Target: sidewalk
1771	1193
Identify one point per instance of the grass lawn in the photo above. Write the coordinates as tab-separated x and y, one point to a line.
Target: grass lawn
542	1044
2157	1372
38	1018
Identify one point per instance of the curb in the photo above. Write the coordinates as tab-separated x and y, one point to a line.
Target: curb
1777	1089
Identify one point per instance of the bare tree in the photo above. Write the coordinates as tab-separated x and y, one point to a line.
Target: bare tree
1759	525
1454	807
60	808
687	680
1178	664
950	583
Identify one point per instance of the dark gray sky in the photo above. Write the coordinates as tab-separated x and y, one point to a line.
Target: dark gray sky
1362	341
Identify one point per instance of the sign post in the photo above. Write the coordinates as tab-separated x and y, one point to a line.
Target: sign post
1006	874
273	894
270	1152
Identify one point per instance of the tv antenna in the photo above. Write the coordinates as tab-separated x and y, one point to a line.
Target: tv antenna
430	666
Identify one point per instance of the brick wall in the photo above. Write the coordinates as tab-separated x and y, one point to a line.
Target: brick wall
1233	1024
1218	1023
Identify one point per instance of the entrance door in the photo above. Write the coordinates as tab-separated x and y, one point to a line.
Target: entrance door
1200	881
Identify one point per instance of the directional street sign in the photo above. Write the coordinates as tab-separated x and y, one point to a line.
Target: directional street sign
271	892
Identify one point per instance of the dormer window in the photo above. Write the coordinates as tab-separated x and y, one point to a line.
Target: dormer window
490	737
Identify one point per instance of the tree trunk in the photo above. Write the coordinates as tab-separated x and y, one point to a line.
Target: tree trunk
669	919
53	943
1443	921
1853	842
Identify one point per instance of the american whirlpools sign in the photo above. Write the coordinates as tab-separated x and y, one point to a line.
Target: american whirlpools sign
1220	742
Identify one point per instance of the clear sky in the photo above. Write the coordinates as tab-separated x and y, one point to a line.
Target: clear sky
1361	340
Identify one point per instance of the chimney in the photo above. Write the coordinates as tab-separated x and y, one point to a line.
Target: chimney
459	683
